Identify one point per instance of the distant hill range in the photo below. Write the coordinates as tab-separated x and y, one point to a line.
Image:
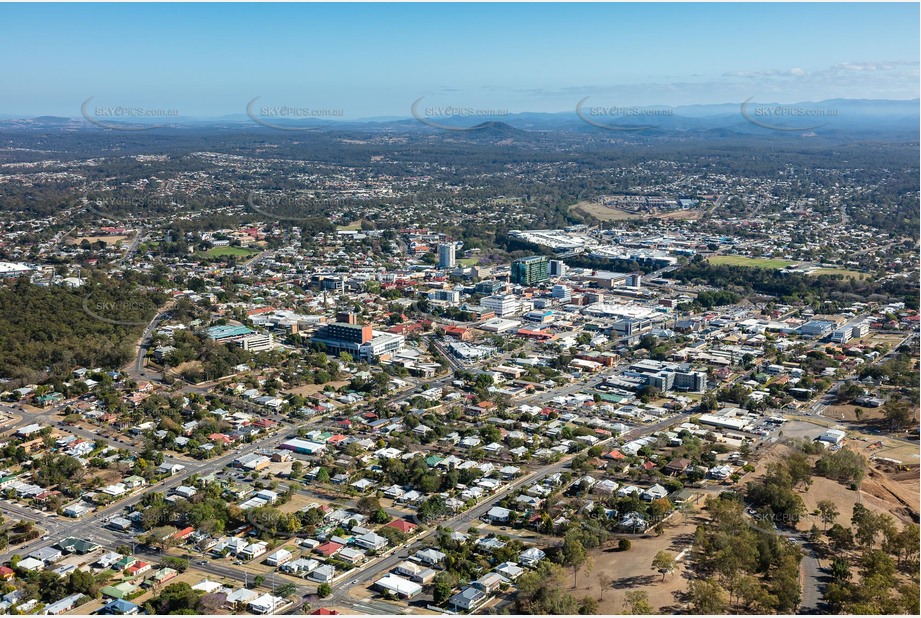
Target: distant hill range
830	117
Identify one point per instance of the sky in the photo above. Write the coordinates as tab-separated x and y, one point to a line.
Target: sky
374	60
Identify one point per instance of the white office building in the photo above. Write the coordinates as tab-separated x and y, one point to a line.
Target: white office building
558	268
258	342
562	293
502	305
446	255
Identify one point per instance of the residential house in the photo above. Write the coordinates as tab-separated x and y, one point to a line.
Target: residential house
467	599
654	493
323	574
531	556
300	566
371	541
498	515
398	586
278	557
429	556
64	605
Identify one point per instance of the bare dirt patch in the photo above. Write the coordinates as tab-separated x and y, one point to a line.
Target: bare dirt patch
896	485
846	413
684	215
603	213
844	499
894	491
178	370
109	240
312	389
623	572
299	500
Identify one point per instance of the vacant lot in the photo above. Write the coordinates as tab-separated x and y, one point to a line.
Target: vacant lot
846	412
109	240
685	215
623	572
873	339
603	213
302	499
741	260
307	390
882	492
178	370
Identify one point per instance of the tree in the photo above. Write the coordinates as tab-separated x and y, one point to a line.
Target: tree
799	468
589	565
840	569
828	512
840	538
574	555
258	581
636	602
368	505
173	562
663	562
483	381
297	469
649	393
899	413
867	525
844	466
837	596
380	516
324	590
443	587
623	544
707	597
904	545
323	475
82	582
588	607
175	598
604	582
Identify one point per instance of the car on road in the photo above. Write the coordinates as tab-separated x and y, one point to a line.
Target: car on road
354	581
202	562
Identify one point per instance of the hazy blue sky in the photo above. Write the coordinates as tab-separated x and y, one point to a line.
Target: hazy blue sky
370	60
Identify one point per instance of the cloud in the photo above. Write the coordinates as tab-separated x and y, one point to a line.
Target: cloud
846	80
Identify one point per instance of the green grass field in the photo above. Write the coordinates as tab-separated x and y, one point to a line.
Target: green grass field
353	226
466	262
838	271
228	251
739	260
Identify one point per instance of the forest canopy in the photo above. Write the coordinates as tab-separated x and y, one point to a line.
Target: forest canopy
48	331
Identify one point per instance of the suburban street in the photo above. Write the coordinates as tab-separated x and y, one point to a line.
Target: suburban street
92	527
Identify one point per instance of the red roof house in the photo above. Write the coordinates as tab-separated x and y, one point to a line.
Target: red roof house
328	549
406	527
